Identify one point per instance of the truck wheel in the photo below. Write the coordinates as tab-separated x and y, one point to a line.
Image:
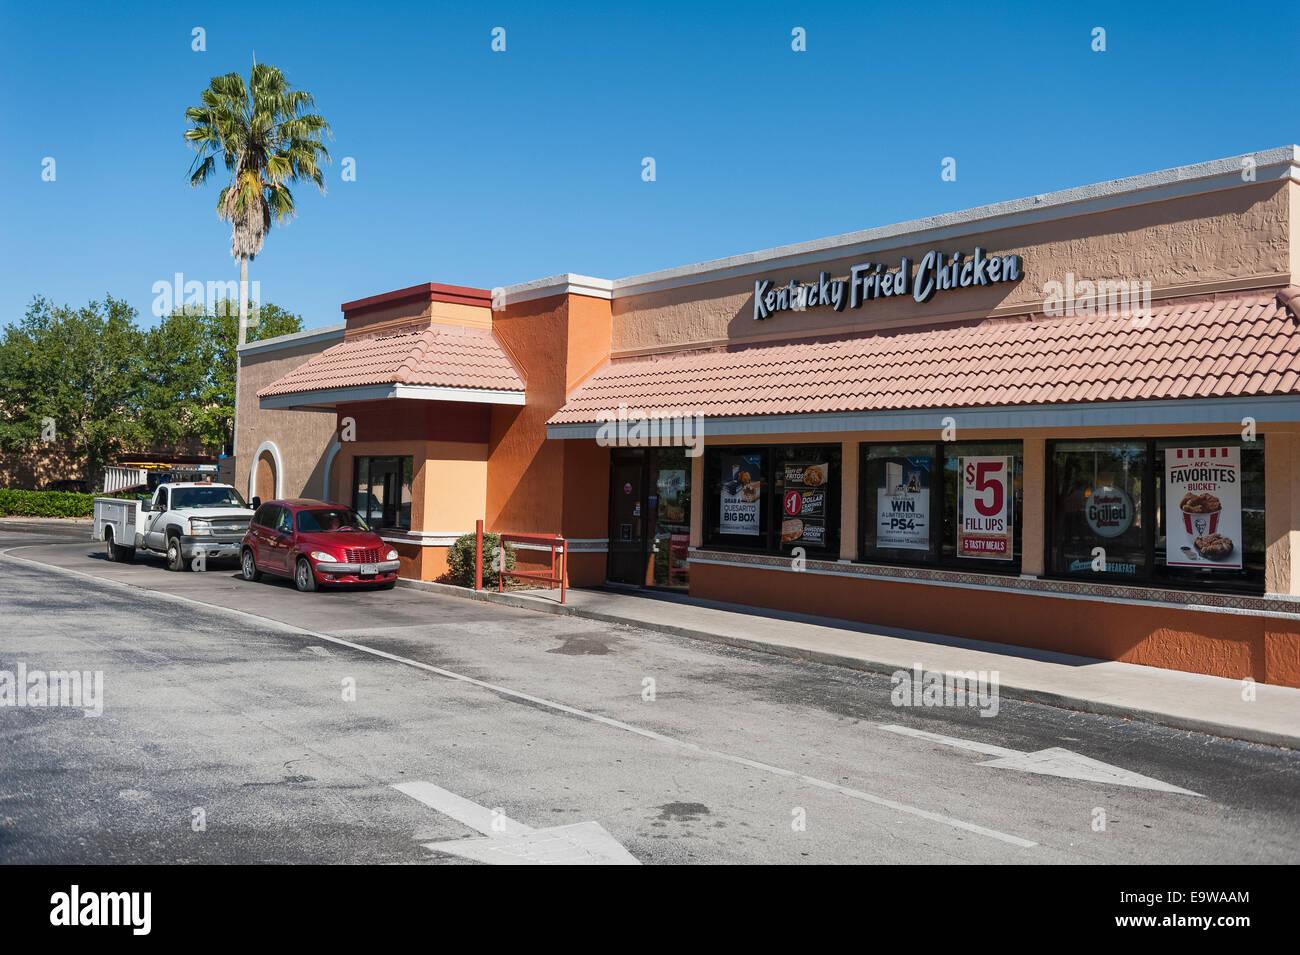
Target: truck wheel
175	559
116	552
249	566
303	577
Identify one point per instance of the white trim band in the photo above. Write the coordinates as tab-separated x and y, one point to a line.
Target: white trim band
330	397
1178	411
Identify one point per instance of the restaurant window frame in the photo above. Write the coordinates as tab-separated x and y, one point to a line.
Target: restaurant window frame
1155	573
404	466
774	458
944	489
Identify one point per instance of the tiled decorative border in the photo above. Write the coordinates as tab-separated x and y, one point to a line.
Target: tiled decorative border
1274	605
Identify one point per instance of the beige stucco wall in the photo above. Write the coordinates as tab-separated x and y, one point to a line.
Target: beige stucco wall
302	437
1235	238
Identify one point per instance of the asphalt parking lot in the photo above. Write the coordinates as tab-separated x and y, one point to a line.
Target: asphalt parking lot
232	698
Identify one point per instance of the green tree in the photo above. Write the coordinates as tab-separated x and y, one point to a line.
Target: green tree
192	360
268	139
72	374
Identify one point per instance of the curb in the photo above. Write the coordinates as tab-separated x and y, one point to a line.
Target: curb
1027	694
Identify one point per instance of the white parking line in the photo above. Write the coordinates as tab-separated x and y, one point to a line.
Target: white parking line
686	745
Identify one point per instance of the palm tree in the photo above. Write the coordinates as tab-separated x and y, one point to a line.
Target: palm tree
267	140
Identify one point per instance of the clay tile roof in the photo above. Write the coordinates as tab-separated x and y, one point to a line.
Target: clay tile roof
1240	345
444	355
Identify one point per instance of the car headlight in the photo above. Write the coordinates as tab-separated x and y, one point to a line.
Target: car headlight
321	557
199	528
392	555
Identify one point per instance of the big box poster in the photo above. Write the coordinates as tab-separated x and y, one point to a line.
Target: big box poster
984	509
742	494
1203	508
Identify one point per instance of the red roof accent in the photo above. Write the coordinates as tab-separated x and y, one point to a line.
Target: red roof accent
449	356
990	362
428	292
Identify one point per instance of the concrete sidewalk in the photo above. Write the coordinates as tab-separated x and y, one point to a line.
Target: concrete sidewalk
1188	701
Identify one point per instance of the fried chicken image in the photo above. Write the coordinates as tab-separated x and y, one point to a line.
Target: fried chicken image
1199	503
1214	546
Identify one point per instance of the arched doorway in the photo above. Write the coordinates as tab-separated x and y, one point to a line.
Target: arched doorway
264	478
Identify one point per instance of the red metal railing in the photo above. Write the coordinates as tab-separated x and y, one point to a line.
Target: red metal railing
557	575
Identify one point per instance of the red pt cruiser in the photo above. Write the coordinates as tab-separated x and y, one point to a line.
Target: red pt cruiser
316	543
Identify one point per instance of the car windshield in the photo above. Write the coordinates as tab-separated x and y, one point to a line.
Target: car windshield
330	519
214	496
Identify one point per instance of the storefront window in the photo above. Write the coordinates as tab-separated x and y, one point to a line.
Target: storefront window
1209	521
897	503
670	506
955	503
382	491
774	499
1183	511
806	483
1098	527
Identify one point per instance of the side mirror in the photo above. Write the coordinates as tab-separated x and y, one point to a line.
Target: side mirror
257	502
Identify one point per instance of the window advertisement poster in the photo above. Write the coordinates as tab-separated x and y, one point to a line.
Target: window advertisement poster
742	493
1203	508
1108	511
803	503
984	509
903	503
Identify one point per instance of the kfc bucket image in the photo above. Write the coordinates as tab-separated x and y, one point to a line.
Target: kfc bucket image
1200	513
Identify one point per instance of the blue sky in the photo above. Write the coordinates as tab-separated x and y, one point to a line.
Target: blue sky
483	169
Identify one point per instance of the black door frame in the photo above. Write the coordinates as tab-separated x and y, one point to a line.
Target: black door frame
627	456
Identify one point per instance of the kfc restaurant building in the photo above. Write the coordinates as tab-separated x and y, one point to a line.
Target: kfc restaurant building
1069	422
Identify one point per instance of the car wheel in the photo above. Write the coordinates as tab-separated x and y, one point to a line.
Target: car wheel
249	566
304	577
175	559
110	549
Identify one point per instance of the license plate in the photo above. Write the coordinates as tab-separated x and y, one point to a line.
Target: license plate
369	568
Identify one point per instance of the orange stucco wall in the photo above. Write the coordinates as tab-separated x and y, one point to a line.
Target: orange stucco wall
1227	645
540	486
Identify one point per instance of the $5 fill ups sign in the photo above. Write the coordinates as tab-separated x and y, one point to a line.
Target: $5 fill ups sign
984	509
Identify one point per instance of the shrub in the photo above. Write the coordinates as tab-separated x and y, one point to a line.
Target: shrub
460	560
15	503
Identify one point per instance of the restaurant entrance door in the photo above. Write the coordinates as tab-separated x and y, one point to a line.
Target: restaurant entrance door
649	517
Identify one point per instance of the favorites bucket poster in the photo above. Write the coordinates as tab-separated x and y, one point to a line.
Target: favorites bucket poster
1203	508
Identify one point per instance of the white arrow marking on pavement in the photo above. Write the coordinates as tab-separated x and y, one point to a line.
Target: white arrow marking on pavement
512	843
1048	762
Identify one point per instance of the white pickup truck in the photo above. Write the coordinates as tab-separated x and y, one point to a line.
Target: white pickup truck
185	521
